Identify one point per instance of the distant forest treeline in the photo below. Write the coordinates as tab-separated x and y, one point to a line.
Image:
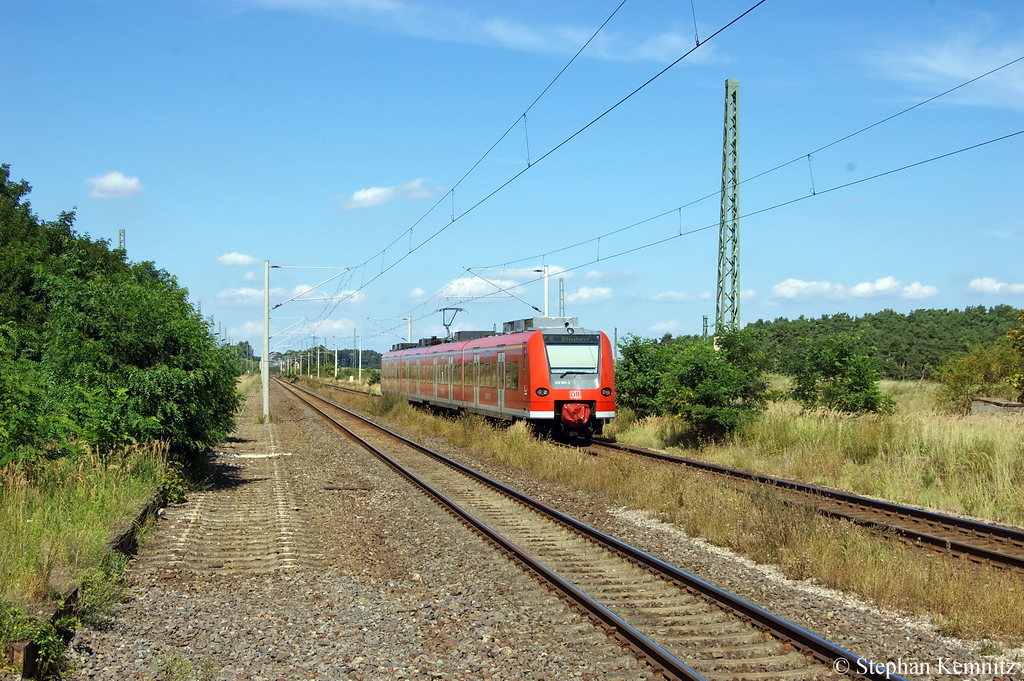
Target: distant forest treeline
907	346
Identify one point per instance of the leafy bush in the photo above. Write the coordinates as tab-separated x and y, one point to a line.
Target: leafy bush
638	375
715	389
982	371
98	351
1016	338
831	373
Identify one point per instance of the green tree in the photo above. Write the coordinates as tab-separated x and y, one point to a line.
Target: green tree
638	375
716	389
983	371
831	372
97	350
1016	339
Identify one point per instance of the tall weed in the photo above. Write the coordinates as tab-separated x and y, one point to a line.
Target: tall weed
57	516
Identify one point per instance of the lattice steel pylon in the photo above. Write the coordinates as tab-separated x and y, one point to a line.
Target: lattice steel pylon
727	303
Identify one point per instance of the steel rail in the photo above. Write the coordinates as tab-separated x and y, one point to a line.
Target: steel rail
661	660
780	629
886	507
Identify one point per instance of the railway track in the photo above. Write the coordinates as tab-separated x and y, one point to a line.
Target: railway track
683	627
972	540
978	542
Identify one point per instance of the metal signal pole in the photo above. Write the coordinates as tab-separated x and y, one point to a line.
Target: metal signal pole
727	304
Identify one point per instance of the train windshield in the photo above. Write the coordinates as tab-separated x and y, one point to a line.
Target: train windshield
573	354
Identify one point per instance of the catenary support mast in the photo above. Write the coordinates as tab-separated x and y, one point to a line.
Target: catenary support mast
727	304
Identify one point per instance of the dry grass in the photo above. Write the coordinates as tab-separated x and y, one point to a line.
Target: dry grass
964	600
960	464
58	516
245	383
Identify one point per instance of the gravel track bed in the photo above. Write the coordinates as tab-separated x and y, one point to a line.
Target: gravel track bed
405	592
883	637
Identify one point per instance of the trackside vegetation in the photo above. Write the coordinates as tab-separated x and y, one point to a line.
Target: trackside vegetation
111	386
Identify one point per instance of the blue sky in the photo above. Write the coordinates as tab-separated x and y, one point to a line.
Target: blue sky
350	133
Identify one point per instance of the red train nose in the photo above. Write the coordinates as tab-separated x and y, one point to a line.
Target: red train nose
575	415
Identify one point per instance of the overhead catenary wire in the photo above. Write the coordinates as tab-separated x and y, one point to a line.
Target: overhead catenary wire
522	116
806	155
760	211
513	178
530	163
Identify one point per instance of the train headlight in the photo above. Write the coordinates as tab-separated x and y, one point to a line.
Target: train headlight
542	391
606	392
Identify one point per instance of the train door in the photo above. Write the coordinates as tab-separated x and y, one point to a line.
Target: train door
501	382
433	376
450	374
476	381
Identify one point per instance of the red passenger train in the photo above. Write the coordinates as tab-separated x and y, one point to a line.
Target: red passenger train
544	370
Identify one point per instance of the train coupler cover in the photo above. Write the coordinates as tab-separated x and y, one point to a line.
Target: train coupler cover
575	414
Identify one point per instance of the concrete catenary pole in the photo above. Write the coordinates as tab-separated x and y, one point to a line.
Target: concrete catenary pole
546	291
265	359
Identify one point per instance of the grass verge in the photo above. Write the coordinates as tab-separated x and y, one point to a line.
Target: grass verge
56	519
921	455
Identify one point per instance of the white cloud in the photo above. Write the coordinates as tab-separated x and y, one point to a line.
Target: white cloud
957	58
247	330
671	326
589	295
990	285
328	327
417	295
249	276
346	297
617	275
464	288
880	288
886	287
677	297
114	185
795	288
503	283
481	24
236	258
376	196
918	291
244	297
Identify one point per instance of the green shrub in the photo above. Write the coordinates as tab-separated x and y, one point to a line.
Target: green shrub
831	373
982	371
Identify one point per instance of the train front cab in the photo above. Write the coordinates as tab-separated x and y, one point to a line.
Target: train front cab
572	382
